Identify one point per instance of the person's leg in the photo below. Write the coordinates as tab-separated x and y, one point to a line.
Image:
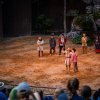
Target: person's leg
64	47
69	67
41	53
54	50
60	47
76	67
38	53
85	49
50	50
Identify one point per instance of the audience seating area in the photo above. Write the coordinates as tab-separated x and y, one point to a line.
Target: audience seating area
23	91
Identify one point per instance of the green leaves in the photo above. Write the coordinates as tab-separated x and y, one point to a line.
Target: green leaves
44	23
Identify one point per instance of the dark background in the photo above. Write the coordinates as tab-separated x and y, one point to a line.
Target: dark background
18	17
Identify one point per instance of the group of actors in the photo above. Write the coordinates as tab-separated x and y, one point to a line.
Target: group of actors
70	54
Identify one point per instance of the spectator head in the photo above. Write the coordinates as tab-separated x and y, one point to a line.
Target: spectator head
86	92
1	86
24	90
73	85
96	94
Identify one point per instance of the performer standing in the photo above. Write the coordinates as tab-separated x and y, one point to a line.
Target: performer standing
97	44
74	59
84	40
52	42
62	42
40	43
68	58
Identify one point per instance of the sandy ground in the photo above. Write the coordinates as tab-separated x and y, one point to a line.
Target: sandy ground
19	62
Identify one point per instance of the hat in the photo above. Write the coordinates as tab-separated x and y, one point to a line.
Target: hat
1	85
23	88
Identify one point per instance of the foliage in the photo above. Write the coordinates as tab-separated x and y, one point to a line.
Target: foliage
96	18
85	23
73	34
96	15
44	23
77	40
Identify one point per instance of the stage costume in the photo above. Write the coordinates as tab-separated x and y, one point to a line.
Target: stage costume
62	41
84	43
97	45
40	44
67	58
74	61
52	42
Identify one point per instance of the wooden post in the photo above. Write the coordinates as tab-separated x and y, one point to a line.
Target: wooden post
65	29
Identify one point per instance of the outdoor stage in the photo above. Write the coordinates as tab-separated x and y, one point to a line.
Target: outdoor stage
19	62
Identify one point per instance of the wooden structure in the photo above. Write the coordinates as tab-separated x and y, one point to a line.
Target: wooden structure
15	18
19	17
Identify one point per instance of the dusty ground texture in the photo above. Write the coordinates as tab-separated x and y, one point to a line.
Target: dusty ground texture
19	62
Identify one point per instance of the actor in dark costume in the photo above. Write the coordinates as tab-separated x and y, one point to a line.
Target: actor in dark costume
97	44
52	42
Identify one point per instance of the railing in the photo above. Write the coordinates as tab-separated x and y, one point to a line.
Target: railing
46	90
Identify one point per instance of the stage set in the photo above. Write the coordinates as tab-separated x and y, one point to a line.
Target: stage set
19	62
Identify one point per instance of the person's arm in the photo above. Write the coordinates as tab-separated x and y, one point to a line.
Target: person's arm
37	44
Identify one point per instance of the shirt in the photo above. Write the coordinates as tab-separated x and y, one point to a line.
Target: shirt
74	57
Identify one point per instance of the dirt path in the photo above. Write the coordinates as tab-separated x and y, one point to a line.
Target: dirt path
19	62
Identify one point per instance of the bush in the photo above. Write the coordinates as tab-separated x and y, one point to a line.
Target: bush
44	23
77	40
86	23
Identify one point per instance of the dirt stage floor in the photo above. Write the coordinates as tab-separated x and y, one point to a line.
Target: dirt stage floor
19	62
